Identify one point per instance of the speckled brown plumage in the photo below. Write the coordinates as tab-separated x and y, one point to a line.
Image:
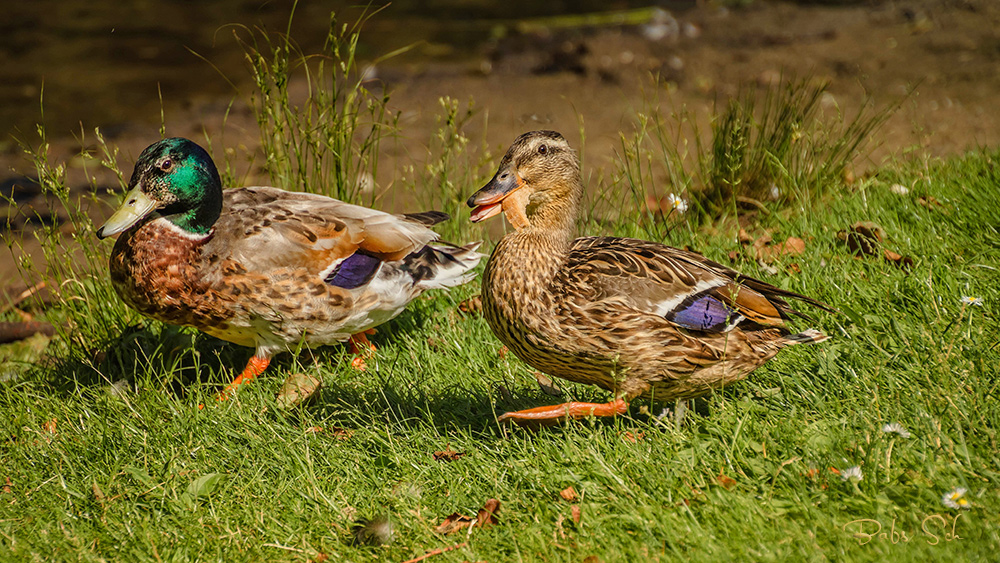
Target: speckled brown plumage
637	318
263	267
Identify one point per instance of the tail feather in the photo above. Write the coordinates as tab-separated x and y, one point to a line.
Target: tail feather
811	336
439	265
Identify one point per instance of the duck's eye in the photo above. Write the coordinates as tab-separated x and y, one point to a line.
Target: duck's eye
543	149
503	176
166	165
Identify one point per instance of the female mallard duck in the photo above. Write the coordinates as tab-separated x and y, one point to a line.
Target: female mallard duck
637	318
266	268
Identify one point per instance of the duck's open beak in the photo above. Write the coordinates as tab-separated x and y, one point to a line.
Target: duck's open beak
488	201
136	206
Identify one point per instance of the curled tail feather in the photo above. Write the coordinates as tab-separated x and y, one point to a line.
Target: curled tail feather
439	265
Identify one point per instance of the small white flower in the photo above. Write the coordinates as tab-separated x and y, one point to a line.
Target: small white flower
896	428
955	498
899	189
851	473
977	301
677	203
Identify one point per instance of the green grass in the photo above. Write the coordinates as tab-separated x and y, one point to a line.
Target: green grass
132	470
119	477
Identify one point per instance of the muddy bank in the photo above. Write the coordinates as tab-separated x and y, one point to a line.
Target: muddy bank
942	57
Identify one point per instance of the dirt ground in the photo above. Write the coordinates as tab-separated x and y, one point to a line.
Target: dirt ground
941	58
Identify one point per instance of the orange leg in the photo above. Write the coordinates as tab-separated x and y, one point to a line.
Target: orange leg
546	416
255	366
361	347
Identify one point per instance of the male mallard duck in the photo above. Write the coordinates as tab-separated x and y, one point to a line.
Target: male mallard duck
266	268
637	318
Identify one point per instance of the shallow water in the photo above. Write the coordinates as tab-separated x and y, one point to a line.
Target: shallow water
106	63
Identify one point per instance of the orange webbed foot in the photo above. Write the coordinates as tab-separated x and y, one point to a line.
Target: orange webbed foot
255	366
361	347
554	414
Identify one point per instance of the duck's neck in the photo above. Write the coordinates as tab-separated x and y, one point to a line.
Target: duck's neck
544	237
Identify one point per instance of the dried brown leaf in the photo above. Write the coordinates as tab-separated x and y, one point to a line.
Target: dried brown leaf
743	237
592	559
932	203
546	385
7	485
725	481
863	237
472	305
904	262
569	494
575	511
49	426
792	246
631	438
485	517
453	523
447	454
298	389
341	433
503	352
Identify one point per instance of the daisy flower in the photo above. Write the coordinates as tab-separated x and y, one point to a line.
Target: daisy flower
851	473
955	498
677	203
977	301
896	428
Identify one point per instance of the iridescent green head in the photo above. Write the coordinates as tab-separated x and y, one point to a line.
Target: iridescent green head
175	178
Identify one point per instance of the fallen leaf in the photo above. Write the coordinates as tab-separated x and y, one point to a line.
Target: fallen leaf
792	246
569	494
743	237
314	430
575	511
298	389
932	203
472	305
485	517
628	436
99	495
503	352
453	523
725	481
447	455
904	262
793	268
863	237
341	433
436	344
7	485
49	426
592	559
546	385
320	557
